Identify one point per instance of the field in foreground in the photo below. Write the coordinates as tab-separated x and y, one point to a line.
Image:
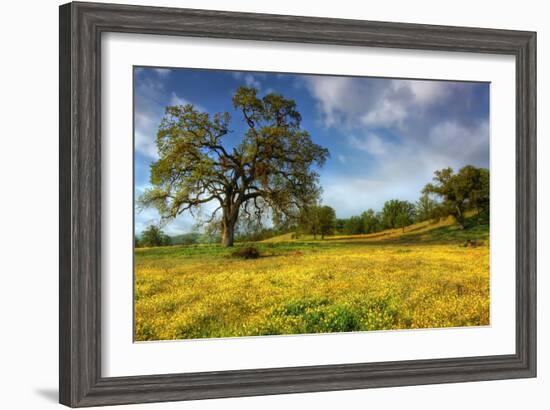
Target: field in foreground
423	278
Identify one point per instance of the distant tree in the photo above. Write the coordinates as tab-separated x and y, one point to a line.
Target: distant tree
479	196
327	217
136	242
390	212
269	171
426	208
189	238
371	221
354	226
154	236
397	214
467	189
308	223
318	220
339	225
403	220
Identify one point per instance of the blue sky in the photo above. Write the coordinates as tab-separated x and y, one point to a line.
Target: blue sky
385	136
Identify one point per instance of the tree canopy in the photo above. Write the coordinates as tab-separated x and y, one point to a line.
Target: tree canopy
397	214
426	208
466	189
153	236
269	172
318	220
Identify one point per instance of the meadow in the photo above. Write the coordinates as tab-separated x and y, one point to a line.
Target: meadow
431	275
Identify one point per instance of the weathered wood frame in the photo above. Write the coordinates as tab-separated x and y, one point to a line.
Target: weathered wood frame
81	26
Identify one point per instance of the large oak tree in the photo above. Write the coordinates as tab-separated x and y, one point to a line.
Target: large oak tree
461	191
270	171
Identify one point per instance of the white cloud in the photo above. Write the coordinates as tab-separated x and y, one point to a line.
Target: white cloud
401	169
370	143
351	102
162	72
146	217
184	223
387	114
427	92
250	80
176	100
145	145
151	100
432	119
332	94
338	189
457	140
366	192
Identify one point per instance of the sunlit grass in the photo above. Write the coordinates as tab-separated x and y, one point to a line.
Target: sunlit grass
424	278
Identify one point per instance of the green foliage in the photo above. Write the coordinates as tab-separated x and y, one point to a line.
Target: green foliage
354	226
195	238
467	189
339	224
371	221
397	214
154	236
367	222
427	208
269	172
317	220
319	316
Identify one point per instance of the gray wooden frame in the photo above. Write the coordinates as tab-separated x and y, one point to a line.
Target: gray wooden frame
81	27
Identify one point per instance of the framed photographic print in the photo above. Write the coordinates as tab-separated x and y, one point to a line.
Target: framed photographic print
261	204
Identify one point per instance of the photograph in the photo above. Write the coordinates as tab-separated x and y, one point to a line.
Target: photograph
280	204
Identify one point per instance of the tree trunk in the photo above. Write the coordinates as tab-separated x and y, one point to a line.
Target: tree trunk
228	235
459	217
228	226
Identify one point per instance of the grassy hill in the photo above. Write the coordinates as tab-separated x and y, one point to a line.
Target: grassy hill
444	230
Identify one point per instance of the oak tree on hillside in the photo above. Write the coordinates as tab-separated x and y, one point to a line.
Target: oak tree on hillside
270	171
467	189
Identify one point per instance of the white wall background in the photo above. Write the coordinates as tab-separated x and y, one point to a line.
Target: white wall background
28	204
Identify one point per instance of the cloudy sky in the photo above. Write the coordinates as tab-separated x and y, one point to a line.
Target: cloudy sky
385	136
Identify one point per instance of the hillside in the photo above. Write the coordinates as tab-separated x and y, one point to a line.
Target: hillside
444	230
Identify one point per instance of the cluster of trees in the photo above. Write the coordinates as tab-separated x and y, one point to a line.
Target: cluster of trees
395	214
450	193
152	236
317	220
321	220
459	192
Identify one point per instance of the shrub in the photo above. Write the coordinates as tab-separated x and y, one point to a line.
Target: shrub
472	243
246	253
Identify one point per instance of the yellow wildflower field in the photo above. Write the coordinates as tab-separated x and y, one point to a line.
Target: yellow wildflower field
427	278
